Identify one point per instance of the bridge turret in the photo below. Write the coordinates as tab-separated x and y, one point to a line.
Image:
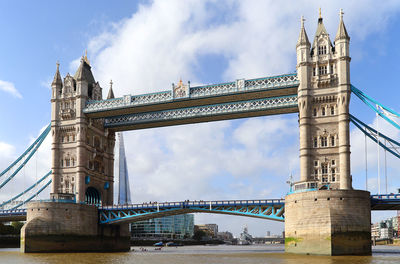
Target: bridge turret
342	44
304	100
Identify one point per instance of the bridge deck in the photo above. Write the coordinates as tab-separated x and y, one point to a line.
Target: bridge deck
272	209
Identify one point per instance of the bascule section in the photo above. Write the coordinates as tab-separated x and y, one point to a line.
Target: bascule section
82	149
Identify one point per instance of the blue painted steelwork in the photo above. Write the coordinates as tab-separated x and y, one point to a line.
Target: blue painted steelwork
33	196
385	201
32	152
204	111
358	123
27	190
41	136
366	99
239	86
267	209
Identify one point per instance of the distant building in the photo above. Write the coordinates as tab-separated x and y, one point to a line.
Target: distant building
225	236
168	227
268	234
211	230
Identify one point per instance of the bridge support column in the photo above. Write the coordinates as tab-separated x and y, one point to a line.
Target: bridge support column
328	222
70	227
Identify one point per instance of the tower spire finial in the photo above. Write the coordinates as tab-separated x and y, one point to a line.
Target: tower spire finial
302	19
58	65
341	13
320	16
85	58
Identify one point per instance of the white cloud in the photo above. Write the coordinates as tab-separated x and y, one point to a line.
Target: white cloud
9	87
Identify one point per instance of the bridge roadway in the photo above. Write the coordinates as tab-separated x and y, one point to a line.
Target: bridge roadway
241	98
272	209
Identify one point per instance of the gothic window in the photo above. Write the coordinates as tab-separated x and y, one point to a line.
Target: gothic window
332	110
315	163
314	71
324	169
62	163
324	179
73	162
323	111
322	70
315	142
333	162
316	172
67	162
321	50
332	141
315	112
333	175
324	141
73	138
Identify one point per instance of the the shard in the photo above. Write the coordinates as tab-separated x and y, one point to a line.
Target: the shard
124	196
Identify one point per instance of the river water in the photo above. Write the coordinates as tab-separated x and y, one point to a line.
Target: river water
222	254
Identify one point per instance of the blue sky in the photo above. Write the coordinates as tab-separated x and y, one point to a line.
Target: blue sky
144	46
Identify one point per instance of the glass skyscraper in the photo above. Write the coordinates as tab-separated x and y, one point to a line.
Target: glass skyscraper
171	227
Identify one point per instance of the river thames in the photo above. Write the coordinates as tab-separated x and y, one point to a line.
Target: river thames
201	254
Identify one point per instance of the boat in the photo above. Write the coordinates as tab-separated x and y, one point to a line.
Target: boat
159	244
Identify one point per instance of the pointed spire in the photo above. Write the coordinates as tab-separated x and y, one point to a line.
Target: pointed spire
341	32
86	58
321	28
110	92
84	72
303	39
57	77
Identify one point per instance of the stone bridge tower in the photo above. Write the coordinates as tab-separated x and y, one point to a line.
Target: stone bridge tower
82	150
323	214
324	97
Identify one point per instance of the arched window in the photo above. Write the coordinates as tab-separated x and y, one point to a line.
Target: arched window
324	141
315	112
315	142
332	141
332	110
323	111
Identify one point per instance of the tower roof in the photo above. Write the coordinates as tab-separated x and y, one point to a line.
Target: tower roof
84	72
110	92
57	77
303	38
321	30
341	32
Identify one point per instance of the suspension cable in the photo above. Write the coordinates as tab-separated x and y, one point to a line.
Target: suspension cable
30	198
39	139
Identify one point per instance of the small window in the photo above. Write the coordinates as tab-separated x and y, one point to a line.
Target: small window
333	162
332	141
324	169
315	142
315	163
316	172
67	163
315	112
323	111
62	163
322	70
324	142
324	179
332	110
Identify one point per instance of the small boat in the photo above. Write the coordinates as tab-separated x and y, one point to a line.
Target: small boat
173	244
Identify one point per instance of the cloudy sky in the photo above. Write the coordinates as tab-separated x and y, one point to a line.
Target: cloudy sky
144	46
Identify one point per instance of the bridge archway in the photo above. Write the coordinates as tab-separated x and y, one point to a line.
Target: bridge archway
92	196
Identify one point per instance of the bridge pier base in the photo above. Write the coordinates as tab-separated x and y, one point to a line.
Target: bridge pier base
328	222
70	227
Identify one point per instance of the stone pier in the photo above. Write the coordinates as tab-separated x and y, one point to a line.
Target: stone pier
328	222
70	227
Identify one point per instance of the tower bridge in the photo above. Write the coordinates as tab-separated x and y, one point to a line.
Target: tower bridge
322	213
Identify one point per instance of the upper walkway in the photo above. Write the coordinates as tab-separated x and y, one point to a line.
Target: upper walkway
241	98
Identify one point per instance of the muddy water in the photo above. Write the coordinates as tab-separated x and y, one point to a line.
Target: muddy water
201	254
